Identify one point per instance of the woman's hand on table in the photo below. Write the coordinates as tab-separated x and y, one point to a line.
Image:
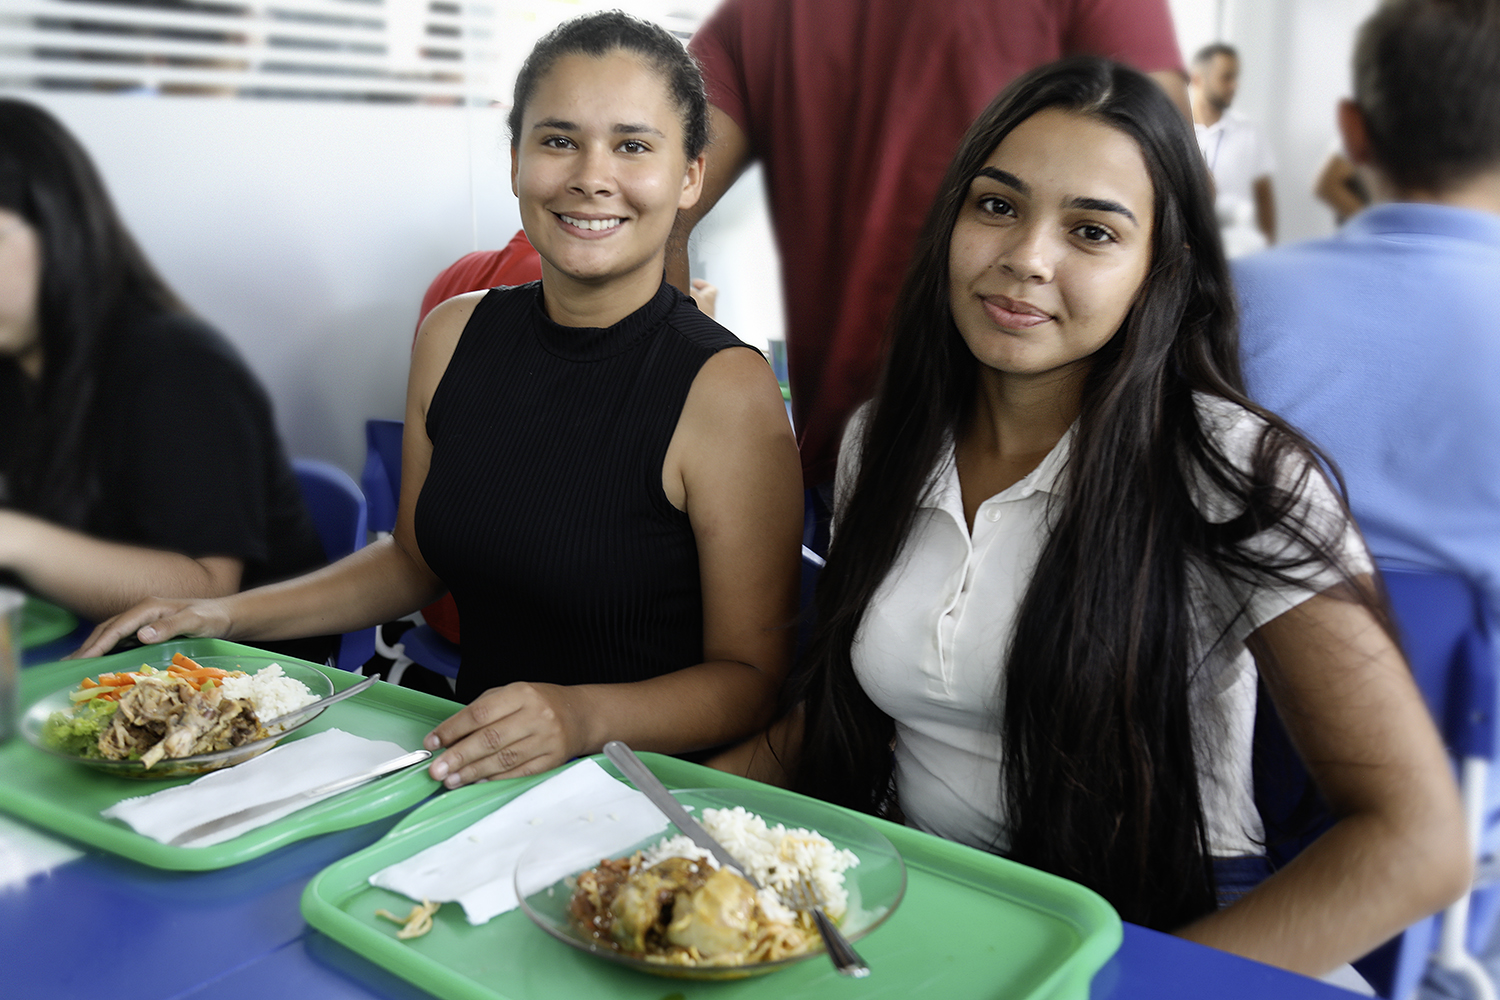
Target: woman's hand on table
157	620
508	732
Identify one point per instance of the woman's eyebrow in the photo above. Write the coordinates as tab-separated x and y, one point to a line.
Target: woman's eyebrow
1010	180
623	128
1103	205
638	128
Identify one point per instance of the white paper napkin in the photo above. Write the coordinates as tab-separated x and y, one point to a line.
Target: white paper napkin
583	812
288	769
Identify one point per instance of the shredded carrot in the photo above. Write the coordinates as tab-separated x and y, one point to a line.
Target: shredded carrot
195	675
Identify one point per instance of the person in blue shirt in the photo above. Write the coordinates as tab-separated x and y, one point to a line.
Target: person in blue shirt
1382	342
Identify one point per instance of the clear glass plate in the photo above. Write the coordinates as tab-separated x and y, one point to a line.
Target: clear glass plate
875	886
179	767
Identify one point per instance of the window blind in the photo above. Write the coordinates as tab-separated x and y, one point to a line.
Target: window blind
393	51
353	50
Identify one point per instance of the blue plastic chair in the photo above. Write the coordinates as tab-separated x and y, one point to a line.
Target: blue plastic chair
1447	637
341	517
381	476
426	646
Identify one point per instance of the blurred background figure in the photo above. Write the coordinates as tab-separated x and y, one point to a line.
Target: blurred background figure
1382	342
1236	153
1339	186
138	455
854	109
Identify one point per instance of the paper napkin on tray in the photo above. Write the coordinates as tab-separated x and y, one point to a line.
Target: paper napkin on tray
583	813
290	768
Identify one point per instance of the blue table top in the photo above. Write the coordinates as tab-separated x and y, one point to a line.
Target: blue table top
95	923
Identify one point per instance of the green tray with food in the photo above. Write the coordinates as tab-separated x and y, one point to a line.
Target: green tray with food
99	735
930	917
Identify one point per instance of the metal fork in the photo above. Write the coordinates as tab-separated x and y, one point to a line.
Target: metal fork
845	959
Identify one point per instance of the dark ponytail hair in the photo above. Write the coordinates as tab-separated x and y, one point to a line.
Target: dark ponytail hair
1100	779
93	278
599	34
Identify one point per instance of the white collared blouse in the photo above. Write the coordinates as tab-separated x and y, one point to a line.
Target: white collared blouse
929	650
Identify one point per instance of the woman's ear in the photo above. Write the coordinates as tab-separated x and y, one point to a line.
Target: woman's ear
692	183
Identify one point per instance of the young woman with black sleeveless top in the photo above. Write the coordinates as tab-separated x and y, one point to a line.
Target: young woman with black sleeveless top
601	475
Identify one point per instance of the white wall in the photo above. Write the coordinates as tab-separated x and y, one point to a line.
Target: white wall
306	233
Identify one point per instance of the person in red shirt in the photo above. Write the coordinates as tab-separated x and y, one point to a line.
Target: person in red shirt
854	108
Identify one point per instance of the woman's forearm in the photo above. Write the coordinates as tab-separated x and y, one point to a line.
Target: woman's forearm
702	706
96	578
376	584
1356	886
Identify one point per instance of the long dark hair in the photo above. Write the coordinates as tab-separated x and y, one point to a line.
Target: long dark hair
93	278
1100	771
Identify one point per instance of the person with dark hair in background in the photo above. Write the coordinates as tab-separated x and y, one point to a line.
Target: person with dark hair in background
138	453
602	476
1236	153
1066	543
1382	342
853	108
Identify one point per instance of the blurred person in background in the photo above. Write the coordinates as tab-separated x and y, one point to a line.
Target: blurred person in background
138	452
853	108
1382	342
1340	187
1236	153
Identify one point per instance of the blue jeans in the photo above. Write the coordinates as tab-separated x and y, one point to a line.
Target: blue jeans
1233	877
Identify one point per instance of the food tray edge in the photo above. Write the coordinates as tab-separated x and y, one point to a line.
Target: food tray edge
1097	925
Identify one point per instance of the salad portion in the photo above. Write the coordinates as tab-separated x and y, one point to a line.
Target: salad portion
180	711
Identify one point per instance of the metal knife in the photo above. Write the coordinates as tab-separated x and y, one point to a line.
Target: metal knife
650	785
330	788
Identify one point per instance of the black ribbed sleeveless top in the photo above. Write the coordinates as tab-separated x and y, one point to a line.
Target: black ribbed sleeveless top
543	509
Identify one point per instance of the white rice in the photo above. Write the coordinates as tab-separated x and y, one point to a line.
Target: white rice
270	691
773	854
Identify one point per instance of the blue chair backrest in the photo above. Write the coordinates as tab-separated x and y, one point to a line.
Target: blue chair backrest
339	513
1445	634
381	475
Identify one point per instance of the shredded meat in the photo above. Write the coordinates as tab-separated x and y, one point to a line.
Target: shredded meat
162	716
679	912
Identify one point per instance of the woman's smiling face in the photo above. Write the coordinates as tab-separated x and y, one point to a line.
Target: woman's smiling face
600	171
1052	244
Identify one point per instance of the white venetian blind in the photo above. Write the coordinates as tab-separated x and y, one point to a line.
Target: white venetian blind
401	51
389	51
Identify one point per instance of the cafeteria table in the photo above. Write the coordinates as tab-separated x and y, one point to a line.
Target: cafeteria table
76	922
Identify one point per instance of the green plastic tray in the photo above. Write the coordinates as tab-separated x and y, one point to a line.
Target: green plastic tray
67	798
971	924
42	622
